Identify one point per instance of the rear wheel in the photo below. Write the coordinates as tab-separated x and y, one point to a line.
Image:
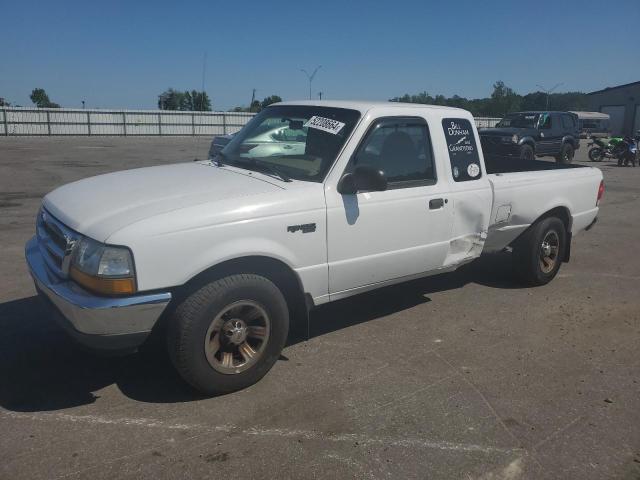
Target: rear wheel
540	251
566	154
228	334
595	154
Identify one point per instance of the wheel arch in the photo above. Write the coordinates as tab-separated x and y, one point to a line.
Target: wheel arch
277	271
564	215
528	141
571	140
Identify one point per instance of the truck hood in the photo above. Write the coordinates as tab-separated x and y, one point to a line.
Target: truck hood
99	206
506	131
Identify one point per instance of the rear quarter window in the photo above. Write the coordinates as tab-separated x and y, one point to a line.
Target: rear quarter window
462	148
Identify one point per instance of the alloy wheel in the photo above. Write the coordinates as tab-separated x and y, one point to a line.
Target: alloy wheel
549	249
237	337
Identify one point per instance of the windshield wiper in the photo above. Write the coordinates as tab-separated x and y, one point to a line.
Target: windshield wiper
261	164
219	159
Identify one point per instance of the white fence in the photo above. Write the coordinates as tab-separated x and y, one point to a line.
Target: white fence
61	121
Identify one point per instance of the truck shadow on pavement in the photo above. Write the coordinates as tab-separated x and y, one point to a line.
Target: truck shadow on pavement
41	369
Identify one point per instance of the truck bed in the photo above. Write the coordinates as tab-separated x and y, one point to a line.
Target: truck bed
523	191
504	164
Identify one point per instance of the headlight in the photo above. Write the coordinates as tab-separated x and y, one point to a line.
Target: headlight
511	139
103	268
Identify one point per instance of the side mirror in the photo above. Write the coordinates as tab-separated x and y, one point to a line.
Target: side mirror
363	179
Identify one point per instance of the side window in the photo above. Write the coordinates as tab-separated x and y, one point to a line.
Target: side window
463	151
545	121
401	148
567	122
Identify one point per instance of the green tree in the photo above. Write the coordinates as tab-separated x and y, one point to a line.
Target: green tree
269	100
172	99
200	101
4	103
41	100
255	106
504	99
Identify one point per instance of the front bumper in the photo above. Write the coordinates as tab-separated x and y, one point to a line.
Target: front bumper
100	323
495	146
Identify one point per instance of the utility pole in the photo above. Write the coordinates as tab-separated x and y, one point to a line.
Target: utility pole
204	70
310	77
549	91
253	98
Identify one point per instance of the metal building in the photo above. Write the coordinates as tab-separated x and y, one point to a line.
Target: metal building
622	104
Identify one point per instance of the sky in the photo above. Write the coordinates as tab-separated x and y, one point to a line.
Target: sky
116	54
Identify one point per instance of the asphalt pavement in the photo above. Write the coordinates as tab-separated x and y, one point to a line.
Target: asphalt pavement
465	375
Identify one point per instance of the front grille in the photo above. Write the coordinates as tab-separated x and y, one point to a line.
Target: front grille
56	242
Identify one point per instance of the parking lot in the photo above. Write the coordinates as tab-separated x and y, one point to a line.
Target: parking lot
464	375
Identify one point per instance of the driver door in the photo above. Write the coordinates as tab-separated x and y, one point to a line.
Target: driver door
546	139
378	236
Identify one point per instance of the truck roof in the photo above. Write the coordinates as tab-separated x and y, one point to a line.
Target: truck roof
364	106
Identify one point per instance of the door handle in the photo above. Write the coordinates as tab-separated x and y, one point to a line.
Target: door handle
436	203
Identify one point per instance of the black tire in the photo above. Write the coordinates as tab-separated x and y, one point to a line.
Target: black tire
526	152
529	265
193	318
566	154
595	154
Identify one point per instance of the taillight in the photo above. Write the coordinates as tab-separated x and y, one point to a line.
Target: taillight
600	192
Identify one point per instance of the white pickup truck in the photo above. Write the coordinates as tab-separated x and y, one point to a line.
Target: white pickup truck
311	202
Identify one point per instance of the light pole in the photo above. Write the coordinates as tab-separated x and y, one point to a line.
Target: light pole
310	77
549	91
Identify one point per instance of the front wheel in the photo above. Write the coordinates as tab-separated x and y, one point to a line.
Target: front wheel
228	334
540	251
595	154
527	153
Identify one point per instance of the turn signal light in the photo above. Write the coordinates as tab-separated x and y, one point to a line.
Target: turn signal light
104	286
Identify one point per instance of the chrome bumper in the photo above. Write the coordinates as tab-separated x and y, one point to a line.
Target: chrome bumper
105	323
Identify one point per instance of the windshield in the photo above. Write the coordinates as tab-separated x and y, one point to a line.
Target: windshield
519	120
300	142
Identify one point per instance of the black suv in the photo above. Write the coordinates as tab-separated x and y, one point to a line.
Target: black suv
530	134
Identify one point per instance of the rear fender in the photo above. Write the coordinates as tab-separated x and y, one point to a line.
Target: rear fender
570	140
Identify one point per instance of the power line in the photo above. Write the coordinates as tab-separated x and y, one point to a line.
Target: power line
549	91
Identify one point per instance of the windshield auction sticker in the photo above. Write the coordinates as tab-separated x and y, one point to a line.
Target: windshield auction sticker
463	151
325	124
